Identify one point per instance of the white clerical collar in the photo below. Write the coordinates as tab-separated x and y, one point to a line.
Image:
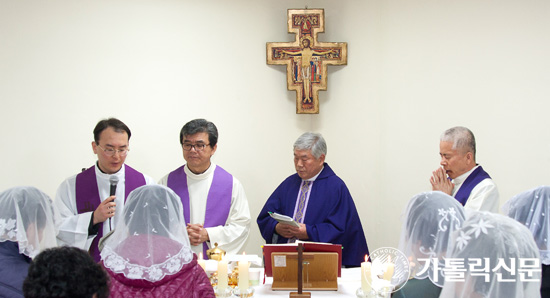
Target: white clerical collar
460	179
202	175
315	177
104	175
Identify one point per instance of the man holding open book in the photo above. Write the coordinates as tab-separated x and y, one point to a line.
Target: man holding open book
319	201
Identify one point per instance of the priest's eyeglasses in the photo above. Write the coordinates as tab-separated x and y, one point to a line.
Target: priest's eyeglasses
198	147
112	151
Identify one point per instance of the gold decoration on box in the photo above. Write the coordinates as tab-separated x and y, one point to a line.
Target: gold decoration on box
233	278
214	278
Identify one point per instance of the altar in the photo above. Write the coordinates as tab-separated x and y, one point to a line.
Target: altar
347	285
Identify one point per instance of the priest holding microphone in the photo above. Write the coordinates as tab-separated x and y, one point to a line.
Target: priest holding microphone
87	200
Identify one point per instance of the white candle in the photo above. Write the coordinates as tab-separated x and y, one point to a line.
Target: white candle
390	267
201	261
243	275
222	274
366	277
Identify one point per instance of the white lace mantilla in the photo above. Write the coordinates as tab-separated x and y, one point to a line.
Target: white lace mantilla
545	257
9	232
156	272
476	229
446	219
7	229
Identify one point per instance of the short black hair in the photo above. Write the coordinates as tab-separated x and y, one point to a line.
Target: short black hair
116	124
200	125
65	272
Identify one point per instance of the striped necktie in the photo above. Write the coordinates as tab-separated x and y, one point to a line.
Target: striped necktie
302	202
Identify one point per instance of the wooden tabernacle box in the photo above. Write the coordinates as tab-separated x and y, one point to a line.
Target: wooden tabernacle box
268	249
320	271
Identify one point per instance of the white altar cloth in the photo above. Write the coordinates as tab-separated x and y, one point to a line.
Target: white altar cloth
347	285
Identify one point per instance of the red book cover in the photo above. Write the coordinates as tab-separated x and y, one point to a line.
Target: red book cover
292	247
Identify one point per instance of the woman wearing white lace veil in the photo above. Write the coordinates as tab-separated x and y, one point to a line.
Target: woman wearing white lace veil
532	208
149	255
500	259
430	219
27	226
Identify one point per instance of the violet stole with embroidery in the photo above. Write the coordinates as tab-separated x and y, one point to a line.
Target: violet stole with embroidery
218	202
87	196
475	177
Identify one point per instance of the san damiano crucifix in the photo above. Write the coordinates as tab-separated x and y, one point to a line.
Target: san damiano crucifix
306	58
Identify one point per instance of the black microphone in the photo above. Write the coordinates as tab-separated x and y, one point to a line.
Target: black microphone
114	181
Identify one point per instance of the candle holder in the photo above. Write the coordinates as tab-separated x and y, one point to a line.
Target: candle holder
361	294
243	294
226	292
382	293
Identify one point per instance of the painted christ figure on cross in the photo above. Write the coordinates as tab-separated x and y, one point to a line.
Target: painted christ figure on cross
306	64
306	58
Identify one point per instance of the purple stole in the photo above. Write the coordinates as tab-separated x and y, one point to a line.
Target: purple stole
87	196
218	202
475	177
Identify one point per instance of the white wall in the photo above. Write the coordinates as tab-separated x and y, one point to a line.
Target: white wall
414	69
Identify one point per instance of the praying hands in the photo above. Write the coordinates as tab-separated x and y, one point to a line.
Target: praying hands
197	234
440	181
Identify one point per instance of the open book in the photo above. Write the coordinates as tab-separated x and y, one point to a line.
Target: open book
287	220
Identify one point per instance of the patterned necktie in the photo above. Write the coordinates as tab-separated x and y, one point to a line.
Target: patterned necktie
301	204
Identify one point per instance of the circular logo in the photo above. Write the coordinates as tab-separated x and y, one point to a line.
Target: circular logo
389	270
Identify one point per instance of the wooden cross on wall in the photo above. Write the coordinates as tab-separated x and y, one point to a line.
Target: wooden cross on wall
306	58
